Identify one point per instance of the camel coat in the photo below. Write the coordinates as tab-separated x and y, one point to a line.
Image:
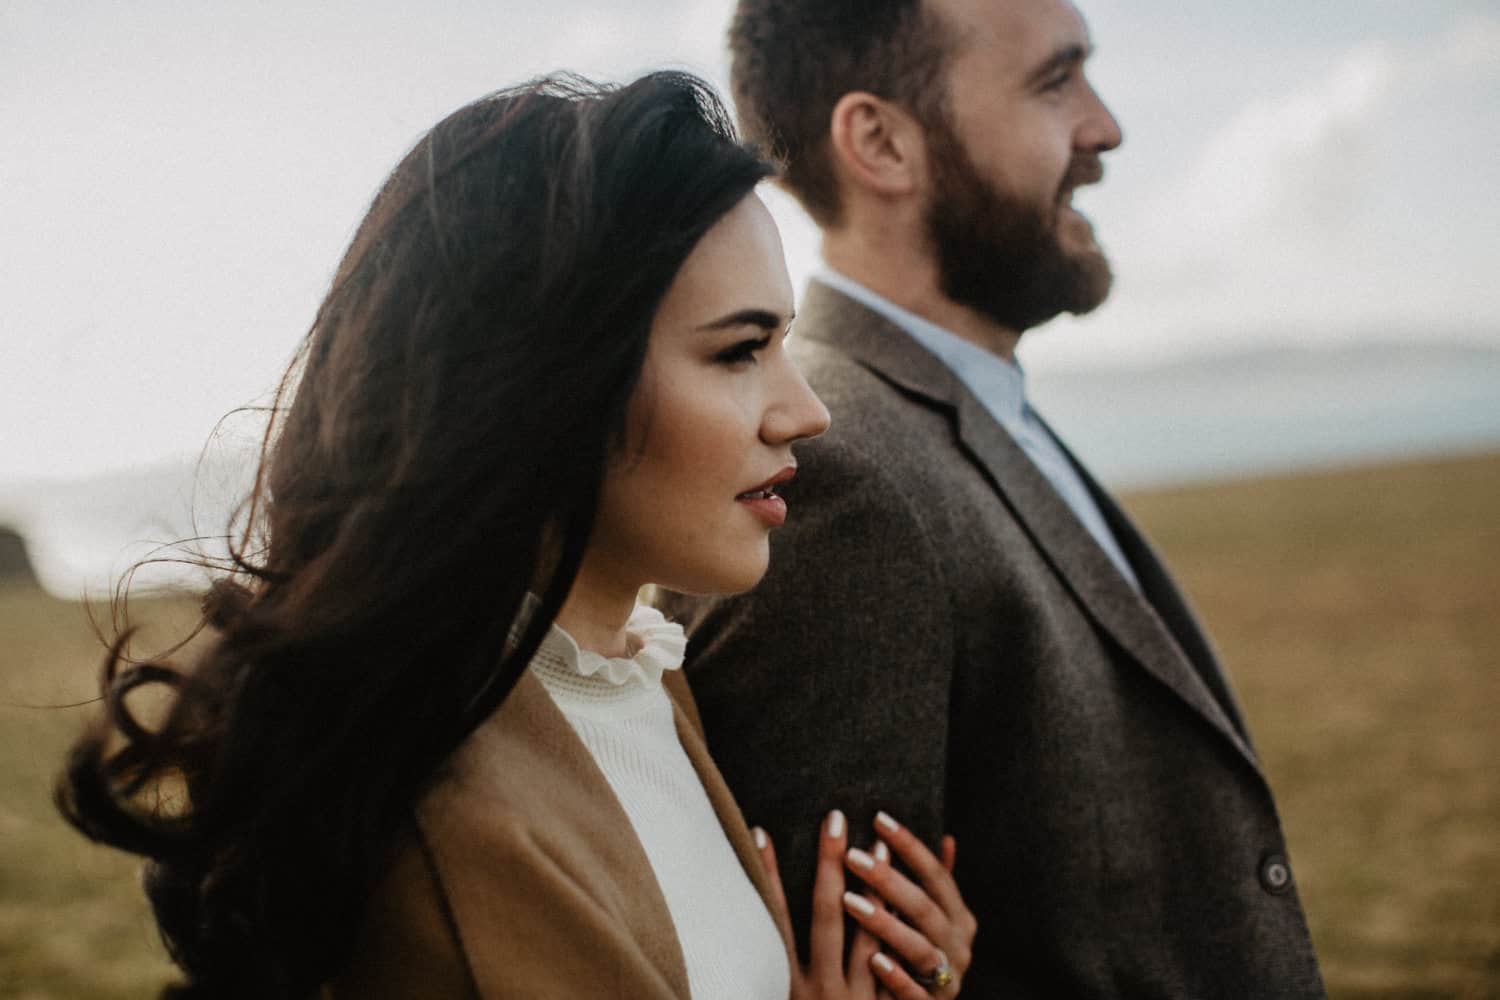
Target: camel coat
524	878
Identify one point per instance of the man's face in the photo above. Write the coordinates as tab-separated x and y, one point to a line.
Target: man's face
1022	129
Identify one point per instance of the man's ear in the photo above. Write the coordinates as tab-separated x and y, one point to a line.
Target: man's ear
877	145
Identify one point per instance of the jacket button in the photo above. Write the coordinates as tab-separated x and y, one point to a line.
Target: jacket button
1275	874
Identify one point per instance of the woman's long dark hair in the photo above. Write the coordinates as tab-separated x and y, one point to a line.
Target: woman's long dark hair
436	451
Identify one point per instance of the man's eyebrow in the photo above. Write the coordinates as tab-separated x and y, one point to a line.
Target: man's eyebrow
763	318
1064	58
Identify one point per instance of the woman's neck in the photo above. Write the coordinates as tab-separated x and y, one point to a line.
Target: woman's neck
595	615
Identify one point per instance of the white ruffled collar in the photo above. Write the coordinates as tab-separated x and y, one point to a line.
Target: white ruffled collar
659	646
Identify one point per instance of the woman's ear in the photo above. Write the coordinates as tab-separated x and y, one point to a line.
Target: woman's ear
877	145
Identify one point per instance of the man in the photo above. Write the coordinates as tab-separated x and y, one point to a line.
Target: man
959	626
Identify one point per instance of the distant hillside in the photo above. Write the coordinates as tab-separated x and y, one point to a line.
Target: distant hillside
1274	410
82	534
1198	419
14	563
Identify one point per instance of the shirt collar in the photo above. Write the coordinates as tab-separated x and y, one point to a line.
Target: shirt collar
657	646
999	384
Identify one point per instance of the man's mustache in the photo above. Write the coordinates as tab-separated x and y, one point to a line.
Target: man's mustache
1085	168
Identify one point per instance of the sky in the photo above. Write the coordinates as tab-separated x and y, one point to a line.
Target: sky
178	180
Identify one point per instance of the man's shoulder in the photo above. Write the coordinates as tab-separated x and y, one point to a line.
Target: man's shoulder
831	369
874	422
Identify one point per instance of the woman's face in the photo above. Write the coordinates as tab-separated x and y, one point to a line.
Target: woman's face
687	504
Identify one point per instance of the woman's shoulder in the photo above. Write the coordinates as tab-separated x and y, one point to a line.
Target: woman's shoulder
524	790
408	946
535	864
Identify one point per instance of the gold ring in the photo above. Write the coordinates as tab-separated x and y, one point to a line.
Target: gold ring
940	976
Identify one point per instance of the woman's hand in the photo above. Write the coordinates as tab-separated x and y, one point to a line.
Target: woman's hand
934	938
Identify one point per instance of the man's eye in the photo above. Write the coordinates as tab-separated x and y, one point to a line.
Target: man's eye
742	352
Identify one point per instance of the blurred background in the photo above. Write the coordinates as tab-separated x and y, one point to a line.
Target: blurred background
1295	385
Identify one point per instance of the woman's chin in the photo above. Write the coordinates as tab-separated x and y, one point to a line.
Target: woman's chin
725	581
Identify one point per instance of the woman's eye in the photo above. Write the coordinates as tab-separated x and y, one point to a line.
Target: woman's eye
742	352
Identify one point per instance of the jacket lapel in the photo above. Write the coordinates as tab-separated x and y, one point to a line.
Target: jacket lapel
529	744
1083	567
1162	595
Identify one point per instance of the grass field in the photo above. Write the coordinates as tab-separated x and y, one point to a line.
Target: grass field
73	923
1359	613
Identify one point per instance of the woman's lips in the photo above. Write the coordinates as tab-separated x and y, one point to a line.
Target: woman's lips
765	505
763	501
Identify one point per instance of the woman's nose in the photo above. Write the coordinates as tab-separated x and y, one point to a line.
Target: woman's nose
796	412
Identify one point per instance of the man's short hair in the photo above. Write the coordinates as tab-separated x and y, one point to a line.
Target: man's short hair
792	60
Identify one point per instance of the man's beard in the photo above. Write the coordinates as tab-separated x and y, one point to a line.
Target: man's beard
1000	255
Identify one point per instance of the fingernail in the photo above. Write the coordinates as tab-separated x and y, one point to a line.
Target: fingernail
886	823
835	824
882	963
760	838
860	859
856	902
882	852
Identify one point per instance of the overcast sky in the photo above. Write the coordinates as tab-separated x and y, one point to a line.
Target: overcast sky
177	181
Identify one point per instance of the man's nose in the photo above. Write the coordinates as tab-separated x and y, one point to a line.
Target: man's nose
1100	130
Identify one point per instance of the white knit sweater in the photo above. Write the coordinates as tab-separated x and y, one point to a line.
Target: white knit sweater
618	708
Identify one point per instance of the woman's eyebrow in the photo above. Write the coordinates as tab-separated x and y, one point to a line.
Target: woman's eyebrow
763	318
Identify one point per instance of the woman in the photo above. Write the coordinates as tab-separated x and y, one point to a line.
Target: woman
430	751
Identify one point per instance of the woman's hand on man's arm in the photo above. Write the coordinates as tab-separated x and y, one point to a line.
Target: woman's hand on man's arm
914	938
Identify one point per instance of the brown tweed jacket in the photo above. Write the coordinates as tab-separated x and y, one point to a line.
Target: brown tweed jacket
940	637
523	878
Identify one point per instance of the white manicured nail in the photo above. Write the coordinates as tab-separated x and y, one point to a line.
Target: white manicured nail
858	903
760	838
860	859
886	822
882	963
882	852
835	824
